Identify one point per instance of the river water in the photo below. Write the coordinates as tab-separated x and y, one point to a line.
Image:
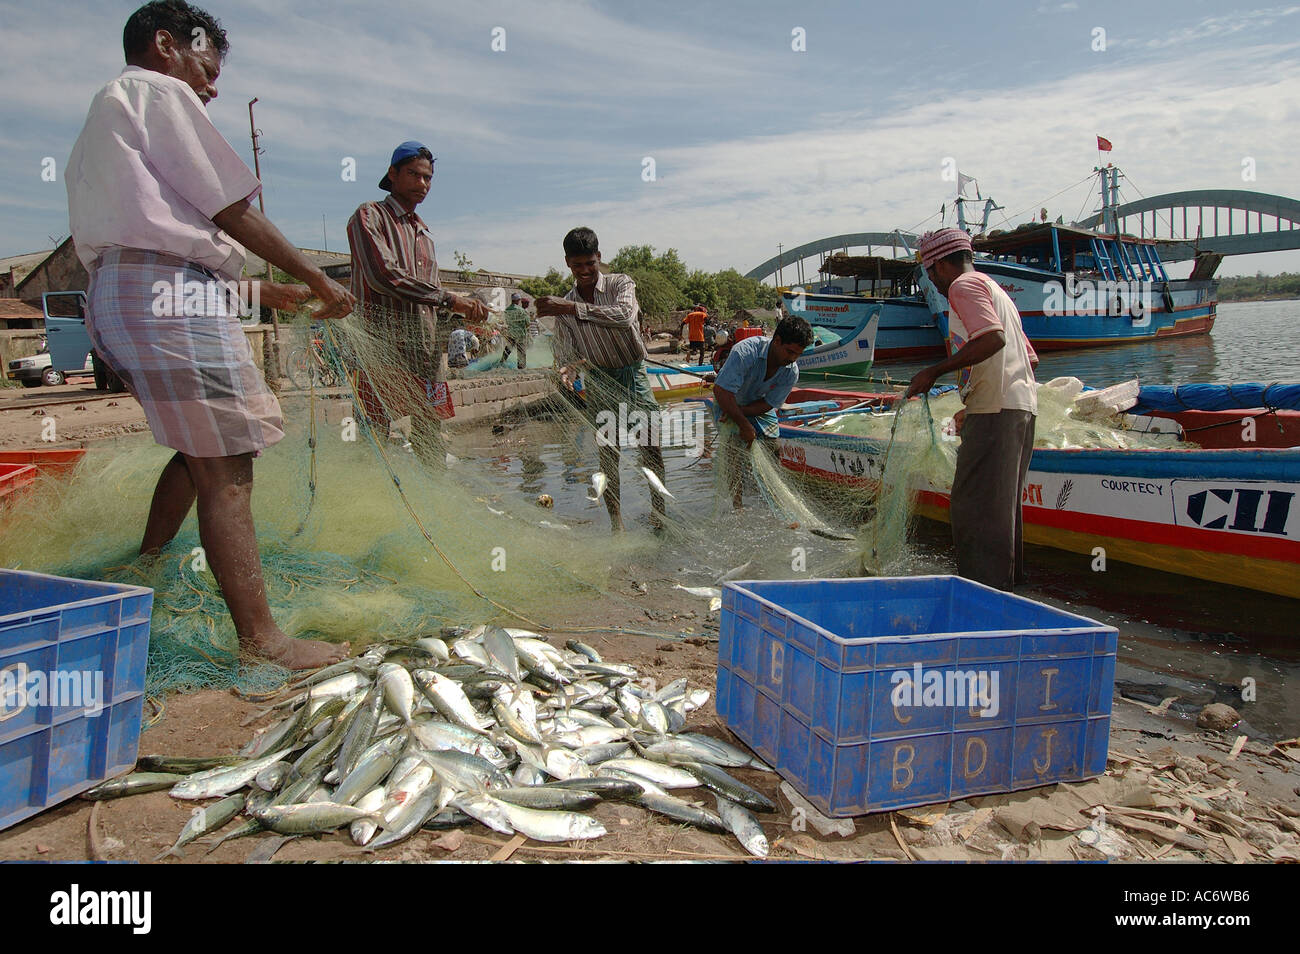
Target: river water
1179	636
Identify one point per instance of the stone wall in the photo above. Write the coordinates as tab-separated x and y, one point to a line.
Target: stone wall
486	396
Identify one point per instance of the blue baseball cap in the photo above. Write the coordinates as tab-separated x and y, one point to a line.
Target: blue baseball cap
405	151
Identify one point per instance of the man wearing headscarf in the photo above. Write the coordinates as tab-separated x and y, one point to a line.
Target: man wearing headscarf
995	363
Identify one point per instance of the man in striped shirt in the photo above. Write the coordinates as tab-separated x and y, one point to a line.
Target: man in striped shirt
597	329
395	281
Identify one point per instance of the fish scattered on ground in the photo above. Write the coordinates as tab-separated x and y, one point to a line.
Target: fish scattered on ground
492	725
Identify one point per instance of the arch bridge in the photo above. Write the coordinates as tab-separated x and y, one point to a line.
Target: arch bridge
1204	220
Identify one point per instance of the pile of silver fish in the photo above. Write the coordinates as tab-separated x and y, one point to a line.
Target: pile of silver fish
483	724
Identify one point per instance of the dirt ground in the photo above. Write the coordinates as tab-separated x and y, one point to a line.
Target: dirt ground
80	414
1171	792
1241	808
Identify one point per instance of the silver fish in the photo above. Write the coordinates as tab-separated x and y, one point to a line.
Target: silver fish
308	817
744	826
399	691
681	811
214	783
363	829
485	810
411	816
448	698
665	776
500	649
655	483
549	825
204	820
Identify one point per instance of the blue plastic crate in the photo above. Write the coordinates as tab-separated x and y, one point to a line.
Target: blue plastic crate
815	676
72	663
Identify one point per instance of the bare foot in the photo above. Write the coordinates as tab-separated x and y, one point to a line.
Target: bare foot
296	654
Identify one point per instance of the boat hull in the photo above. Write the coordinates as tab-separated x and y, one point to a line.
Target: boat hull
906	331
1096	315
1228	516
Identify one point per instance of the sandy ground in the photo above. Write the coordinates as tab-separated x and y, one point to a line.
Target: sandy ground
1257	791
80	414
1172	792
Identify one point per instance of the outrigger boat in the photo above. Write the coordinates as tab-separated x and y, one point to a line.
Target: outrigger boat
1227	515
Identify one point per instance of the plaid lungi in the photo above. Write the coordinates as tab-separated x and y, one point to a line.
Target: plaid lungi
193	374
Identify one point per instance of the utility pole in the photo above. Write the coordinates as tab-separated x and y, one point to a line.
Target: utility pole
324	242
270	350
780	280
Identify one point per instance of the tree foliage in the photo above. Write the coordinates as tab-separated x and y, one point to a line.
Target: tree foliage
664	284
552	283
1259	285
656	295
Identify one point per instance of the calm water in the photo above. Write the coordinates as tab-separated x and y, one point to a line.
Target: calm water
1178	636
1251	341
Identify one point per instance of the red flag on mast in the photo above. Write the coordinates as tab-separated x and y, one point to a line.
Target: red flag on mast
1103	145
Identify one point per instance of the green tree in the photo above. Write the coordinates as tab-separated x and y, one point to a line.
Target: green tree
632	258
700	288
765	296
735	290
552	283
654	293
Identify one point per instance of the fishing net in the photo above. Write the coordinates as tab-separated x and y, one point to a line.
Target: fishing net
383	515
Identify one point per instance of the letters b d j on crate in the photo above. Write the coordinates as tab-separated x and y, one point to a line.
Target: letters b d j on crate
883	693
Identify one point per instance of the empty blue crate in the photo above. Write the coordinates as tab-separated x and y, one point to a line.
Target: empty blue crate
72	664
884	693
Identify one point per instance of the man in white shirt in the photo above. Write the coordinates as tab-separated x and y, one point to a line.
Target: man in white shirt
157	199
995	364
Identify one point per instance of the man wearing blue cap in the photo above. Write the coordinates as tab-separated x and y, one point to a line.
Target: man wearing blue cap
395	281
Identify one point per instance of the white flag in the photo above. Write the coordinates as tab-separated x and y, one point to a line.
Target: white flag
963	180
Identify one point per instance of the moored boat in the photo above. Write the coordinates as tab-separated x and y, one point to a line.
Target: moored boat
1074	287
1226	515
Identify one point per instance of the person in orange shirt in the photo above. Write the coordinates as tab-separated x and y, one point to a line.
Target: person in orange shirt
695	330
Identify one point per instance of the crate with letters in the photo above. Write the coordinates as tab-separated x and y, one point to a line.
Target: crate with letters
884	693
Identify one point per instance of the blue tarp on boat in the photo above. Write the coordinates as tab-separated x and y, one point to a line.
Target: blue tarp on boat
1216	397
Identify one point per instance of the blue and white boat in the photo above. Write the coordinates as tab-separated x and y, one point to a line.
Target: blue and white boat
1074	287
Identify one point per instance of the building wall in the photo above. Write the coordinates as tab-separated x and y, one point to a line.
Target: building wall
62	271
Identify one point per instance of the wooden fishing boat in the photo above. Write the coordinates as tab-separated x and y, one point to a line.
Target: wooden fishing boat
1226	515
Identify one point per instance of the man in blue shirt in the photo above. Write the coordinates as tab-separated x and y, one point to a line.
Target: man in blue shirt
754	382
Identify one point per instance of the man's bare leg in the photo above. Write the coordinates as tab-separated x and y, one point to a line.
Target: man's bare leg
613	499
172	499
224	489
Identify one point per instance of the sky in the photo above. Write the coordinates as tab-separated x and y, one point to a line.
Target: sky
752	142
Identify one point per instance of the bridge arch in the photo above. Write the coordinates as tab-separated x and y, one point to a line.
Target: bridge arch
1207	220
792	258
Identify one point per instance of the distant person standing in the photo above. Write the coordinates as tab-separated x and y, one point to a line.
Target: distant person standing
694	322
596	329
395	279
155	196
988	347
517	322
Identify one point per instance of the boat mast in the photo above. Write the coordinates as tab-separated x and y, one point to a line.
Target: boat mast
1109	198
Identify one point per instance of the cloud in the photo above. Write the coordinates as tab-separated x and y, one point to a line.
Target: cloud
730	203
1216	28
